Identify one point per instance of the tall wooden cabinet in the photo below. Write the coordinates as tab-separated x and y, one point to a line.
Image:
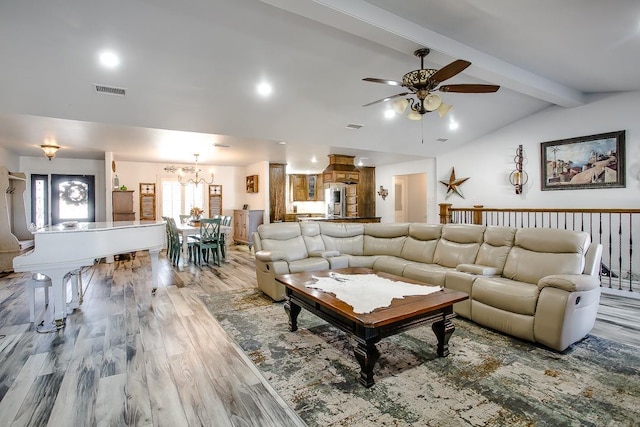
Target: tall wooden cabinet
277	197
245	222
123	205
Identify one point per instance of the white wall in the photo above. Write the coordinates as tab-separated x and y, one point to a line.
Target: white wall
9	160
62	166
384	177
491	159
259	200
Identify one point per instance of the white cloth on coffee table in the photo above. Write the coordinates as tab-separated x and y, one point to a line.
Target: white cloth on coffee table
366	292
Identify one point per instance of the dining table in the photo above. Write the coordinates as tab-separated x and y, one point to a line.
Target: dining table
188	229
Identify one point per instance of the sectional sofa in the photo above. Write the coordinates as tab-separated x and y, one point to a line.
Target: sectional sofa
537	284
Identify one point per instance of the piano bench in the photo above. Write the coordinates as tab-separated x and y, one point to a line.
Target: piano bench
37	281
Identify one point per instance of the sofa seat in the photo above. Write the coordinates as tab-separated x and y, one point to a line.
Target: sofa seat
432	274
506	294
308	264
363	261
391	264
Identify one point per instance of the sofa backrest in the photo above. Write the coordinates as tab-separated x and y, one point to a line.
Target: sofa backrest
459	244
346	238
421	242
385	239
495	247
283	237
539	252
311	235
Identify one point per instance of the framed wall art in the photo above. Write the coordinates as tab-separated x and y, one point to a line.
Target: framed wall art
594	161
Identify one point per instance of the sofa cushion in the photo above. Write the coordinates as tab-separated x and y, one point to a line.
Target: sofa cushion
543	251
459	244
362	260
421	242
346	238
383	245
506	294
384	239
390	264
430	274
495	247
283	237
308	264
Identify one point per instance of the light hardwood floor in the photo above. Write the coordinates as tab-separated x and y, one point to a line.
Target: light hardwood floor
129	358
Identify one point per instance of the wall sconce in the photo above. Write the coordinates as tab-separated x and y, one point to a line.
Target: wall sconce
518	177
383	192
49	150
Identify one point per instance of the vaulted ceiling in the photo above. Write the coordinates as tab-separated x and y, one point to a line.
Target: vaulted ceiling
190	71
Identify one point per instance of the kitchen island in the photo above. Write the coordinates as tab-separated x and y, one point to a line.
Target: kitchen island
343	219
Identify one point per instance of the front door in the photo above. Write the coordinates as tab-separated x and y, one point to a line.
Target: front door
73	198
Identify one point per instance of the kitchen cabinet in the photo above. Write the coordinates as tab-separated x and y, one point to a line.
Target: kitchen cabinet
306	188
122	201
351	196
245	222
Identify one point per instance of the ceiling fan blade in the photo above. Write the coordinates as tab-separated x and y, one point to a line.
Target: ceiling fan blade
450	70
383	81
388	98
469	88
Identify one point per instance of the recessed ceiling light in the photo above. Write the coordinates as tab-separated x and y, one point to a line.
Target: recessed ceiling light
314	160
389	114
453	125
282	143
109	59
264	89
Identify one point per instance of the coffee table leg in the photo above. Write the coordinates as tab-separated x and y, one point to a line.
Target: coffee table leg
443	330
292	311
367	355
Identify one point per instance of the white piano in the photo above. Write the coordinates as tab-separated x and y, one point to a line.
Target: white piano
61	249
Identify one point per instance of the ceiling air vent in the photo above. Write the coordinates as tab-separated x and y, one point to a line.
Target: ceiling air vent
110	90
353	126
442	139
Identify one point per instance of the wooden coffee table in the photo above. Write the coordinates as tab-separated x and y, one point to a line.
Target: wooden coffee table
368	329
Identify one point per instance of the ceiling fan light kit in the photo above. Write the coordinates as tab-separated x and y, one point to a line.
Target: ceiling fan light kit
423	82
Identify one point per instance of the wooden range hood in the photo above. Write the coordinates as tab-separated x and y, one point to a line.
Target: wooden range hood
341	170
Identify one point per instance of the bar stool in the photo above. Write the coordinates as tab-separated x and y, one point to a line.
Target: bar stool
37	281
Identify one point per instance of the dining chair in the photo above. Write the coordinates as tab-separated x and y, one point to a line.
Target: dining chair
226	221
209	241
175	246
184	219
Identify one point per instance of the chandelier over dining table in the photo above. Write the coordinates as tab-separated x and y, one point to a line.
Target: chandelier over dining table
195	170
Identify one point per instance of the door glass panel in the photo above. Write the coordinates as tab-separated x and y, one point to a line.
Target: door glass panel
72	198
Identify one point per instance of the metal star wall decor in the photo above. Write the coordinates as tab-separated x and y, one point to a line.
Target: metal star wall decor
452	185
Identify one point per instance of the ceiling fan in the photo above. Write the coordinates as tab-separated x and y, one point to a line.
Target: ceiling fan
423	82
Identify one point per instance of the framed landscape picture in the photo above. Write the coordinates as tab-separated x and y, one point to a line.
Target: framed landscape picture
595	161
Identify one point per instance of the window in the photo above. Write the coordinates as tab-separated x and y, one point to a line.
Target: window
178	199
40	200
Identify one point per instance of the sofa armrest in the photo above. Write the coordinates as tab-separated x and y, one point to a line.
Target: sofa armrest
477	269
570	282
324	254
270	256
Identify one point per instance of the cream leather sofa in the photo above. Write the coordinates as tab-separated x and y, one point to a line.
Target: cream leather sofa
536	284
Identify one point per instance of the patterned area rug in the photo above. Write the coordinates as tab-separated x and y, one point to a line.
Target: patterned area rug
488	379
